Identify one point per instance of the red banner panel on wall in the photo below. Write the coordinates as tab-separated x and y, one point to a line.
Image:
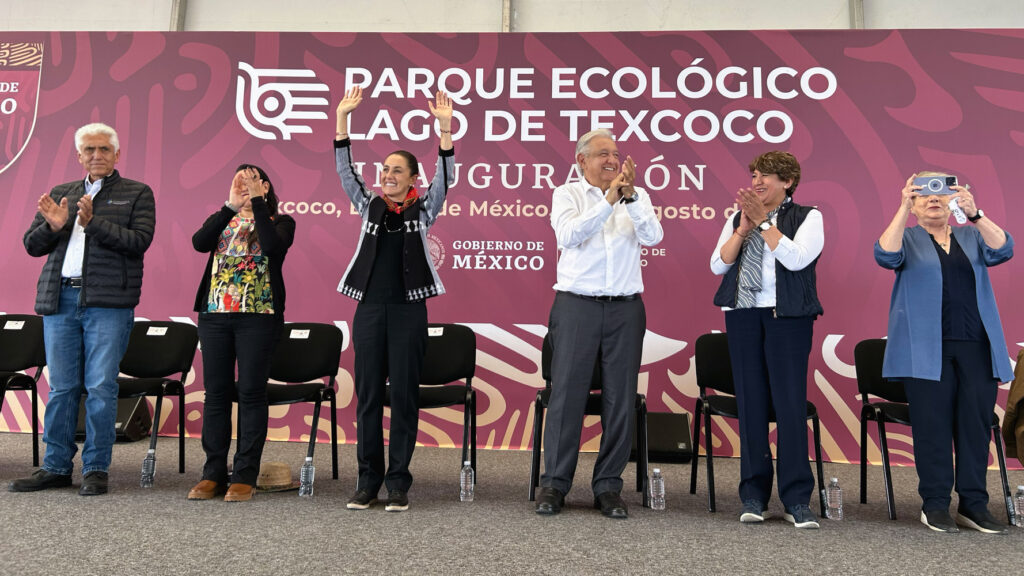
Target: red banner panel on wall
861	110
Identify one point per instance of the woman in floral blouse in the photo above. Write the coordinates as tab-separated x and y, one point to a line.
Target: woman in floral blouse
241	314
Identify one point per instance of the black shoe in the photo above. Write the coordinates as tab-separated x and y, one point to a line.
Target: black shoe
398	501
938	520
982	521
93	484
611	505
362	499
40	480
550	501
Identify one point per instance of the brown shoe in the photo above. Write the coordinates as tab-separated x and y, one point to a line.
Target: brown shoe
239	492
206	490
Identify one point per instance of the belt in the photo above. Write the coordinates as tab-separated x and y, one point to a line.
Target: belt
71	282
626	298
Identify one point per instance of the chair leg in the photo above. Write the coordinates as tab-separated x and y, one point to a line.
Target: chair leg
181	429
313	429
642	456
35	427
538	430
863	459
711	462
1007	496
883	443
334	436
155	428
816	427
698	410
465	433
472	440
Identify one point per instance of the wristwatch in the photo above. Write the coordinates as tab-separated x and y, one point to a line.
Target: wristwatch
764	226
977	216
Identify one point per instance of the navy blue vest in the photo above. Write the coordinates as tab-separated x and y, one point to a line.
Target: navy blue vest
796	292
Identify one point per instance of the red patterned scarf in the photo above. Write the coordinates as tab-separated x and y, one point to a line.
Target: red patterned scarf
397	208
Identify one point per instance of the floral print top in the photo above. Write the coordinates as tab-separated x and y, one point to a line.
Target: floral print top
240	279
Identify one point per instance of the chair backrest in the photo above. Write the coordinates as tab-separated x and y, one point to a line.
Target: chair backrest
714	368
545	365
21	342
451	355
867	358
159	349
307	351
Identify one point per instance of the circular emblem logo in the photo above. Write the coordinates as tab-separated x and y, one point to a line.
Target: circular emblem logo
436	250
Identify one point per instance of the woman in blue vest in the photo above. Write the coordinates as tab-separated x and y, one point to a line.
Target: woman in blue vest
391	275
766	256
946	344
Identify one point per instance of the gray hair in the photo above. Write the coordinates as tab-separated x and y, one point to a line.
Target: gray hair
583	145
96	128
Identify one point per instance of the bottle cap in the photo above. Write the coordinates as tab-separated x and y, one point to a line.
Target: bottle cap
1020	487
309	459
466	463
657	470
836	480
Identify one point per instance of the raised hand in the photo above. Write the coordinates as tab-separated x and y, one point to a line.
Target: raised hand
351	100
965	199
254	185
441	108
909	194
629	174
235	197
56	215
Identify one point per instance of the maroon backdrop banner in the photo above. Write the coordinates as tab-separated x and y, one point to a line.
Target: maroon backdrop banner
861	110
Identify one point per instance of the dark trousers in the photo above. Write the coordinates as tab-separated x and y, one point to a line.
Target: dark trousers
581	332
769	368
390	341
956	410
249	339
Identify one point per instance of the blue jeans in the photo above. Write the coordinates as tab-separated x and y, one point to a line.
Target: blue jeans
84	347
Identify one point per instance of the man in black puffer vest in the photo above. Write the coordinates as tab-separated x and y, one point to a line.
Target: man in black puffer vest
94	233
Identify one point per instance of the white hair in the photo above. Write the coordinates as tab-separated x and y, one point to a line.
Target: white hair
96	128
583	145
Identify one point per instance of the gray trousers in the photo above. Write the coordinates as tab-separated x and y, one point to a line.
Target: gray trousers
583	331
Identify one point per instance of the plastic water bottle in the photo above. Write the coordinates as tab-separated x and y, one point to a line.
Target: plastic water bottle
1018	507
148	469
306	474
834	500
467	482
657	490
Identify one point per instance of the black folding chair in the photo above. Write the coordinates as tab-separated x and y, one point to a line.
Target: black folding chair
450	357
21	349
156	363
867	358
592	408
714	372
307	354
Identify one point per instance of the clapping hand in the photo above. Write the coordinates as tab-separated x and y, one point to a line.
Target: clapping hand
56	215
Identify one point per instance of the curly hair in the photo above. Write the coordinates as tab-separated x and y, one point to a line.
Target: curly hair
782	164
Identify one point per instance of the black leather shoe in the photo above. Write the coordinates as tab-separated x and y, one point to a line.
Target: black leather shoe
40	480
550	501
93	484
611	505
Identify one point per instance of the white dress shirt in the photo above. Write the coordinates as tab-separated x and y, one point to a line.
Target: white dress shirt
600	243
76	244
794	254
